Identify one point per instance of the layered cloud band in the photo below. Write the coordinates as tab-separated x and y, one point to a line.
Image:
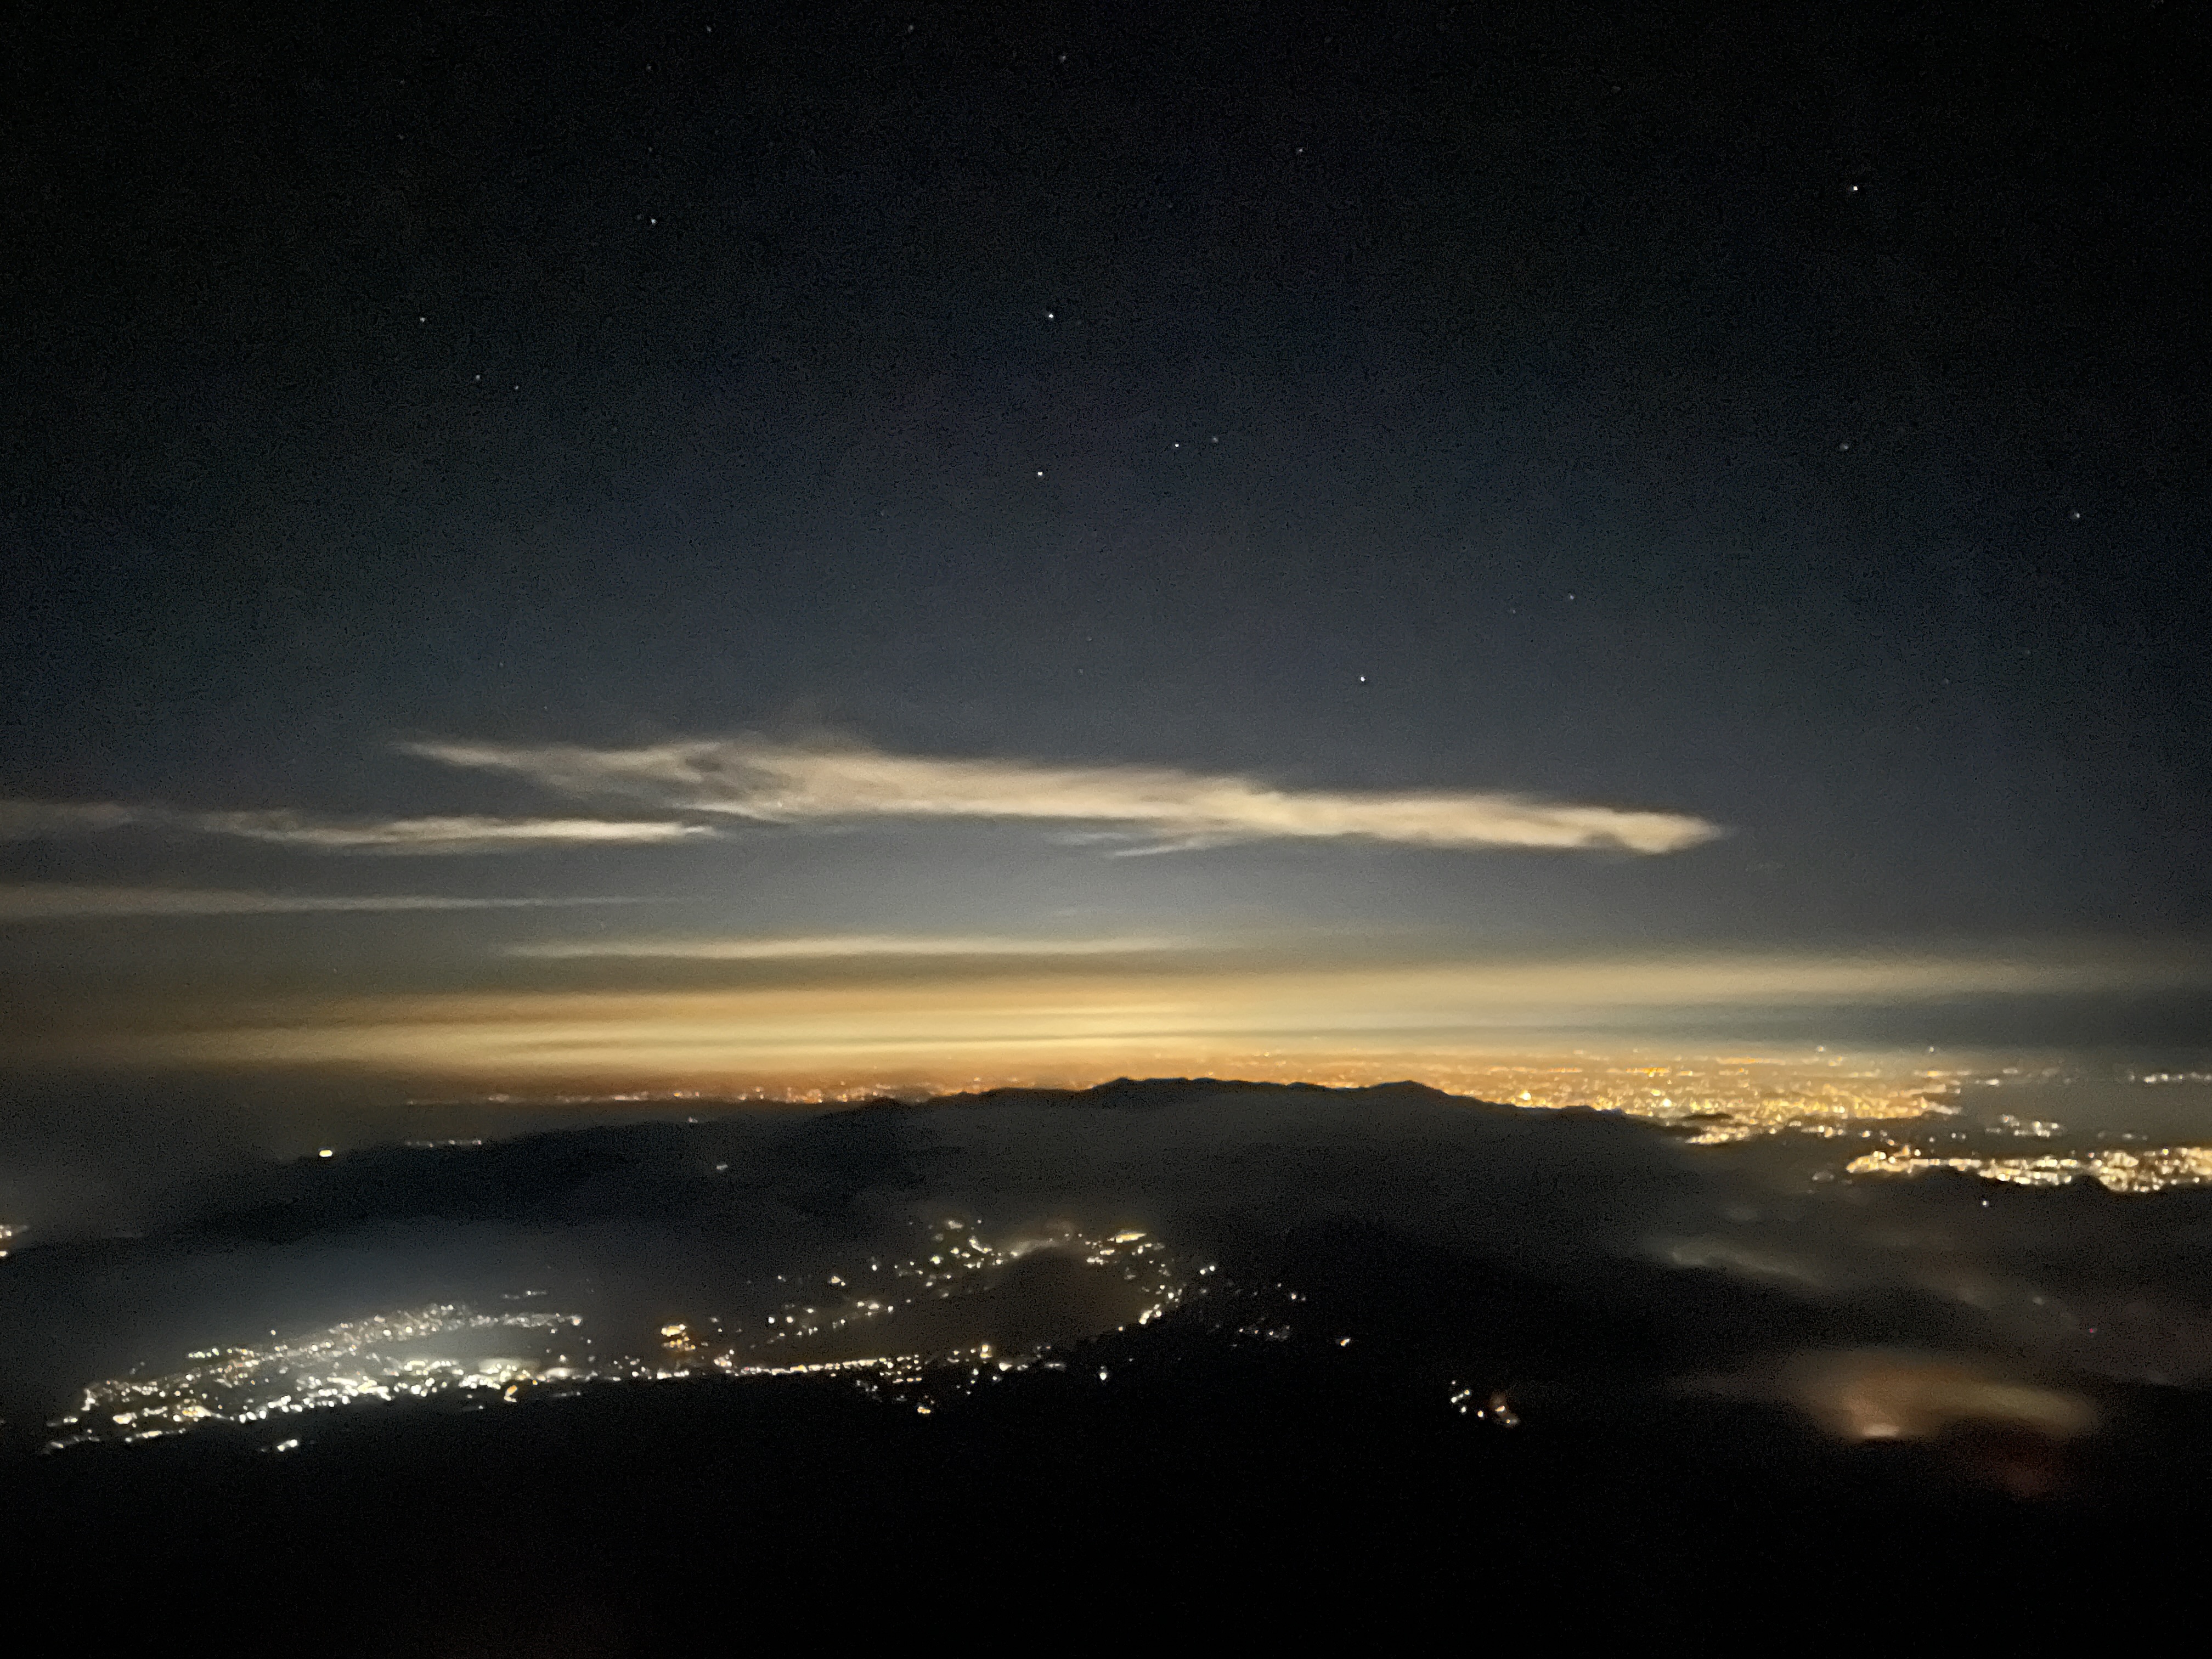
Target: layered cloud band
31	820
61	902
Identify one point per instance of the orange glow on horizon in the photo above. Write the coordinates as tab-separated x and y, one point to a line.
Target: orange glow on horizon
1555	1032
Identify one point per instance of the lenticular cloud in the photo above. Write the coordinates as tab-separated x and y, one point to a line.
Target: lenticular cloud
778	783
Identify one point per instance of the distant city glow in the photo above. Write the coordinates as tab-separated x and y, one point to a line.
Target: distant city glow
2145	1170
812	1030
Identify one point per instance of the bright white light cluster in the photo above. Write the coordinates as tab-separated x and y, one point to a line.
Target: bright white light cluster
412	1355
339	1366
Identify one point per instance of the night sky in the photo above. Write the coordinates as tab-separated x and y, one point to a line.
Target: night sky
1091	521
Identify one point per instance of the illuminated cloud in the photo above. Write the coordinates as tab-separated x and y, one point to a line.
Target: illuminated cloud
1883	1395
828	946
23	820
445	835
56	902
778	783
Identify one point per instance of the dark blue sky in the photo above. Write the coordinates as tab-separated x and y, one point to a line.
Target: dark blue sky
1793	423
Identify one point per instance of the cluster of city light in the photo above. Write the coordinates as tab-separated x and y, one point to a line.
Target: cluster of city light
398	1357
2149	1169
2118	1168
1498	1408
1720	1100
7	1233
958	1258
341	1365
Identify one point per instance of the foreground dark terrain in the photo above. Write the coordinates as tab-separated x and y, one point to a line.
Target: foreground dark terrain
1240	1468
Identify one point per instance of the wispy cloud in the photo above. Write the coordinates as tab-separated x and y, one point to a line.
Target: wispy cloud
26	820
822	947
45	820
778	783
58	901
445	835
